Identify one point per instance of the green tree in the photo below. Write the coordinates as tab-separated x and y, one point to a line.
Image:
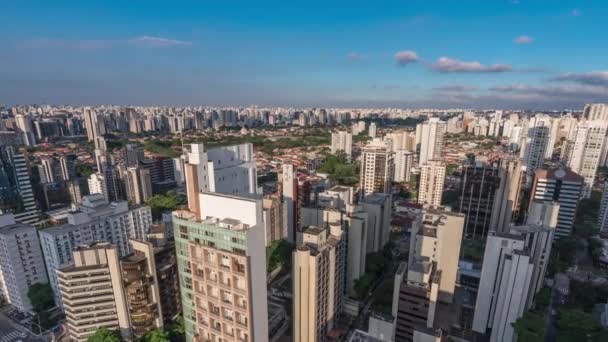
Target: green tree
157	335
362	285
177	332
167	202
84	170
575	325
278	253
41	297
530	327
104	335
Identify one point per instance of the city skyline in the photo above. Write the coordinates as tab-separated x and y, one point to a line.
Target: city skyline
511	54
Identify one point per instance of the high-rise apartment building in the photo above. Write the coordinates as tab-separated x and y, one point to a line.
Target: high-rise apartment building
97	184
16	195
586	153
596	111
228	170
90	122
430	274
273	219
432	178
92	292
513	272
378	208
372	130
430	136
318	278
564	187
536	143
138	184
335	207
222	269
289	192
377	167
95	220
21	264
342	141
404	161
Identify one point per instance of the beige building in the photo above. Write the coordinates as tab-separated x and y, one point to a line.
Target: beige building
430	275
377	167
273	219
102	290
318	278
432	178
92	293
138	184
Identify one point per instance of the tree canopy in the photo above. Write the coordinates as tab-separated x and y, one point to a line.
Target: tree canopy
105	335
530	327
41	297
167	202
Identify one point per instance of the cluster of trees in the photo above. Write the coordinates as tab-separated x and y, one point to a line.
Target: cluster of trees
167	202
173	333
339	170
375	265
41	297
162	147
278	254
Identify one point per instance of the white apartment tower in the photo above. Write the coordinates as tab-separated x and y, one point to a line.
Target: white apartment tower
432	178
404	161
587	151
377	167
430	136
21	263
342	141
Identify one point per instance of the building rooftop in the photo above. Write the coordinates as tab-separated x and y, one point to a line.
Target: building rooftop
362	336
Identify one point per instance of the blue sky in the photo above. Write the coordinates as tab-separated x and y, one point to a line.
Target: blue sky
544	54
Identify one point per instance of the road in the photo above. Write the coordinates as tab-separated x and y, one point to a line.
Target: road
550	323
11	332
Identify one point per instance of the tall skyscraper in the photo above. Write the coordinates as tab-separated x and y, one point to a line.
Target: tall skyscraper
564	187
432	178
16	195
342	141
289	193
318	278
222	268
21	262
273	219
430	136
24	123
138	185
90	123
513	271
378	208
587	151
478	184
377	167
430	276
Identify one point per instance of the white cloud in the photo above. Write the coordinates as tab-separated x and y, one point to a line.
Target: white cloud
94	44
406	57
523	40
446	64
